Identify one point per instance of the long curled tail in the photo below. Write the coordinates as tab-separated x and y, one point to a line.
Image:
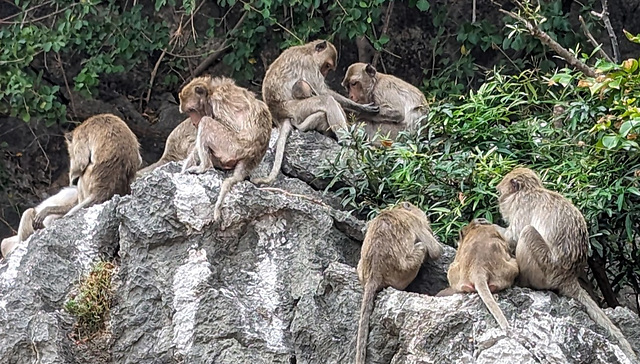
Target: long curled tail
285	129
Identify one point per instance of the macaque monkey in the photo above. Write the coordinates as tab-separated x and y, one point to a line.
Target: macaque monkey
306	65
68	196
302	90
552	242
401	104
104	156
482	264
177	147
394	247
234	129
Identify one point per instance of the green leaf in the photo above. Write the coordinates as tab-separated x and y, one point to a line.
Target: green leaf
631	37
610	141
423	5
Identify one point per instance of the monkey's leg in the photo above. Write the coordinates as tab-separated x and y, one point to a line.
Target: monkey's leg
90	200
353	106
8	244
285	129
27	222
409	266
334	120
239	174
534	259
446	292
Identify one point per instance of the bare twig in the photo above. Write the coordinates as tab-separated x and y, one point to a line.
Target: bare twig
555	46
13	231
213	56
66	84
592	40
473	12
604	15
24	21
385	29
279	190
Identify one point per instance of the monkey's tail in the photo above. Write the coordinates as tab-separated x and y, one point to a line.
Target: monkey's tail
366	309
26	224
285	129
574	290
482	286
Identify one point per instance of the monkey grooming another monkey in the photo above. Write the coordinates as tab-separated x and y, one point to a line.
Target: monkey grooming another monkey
177	147
305	65
482	264
104	156
552	242
68	196
401	104
394	247
234	128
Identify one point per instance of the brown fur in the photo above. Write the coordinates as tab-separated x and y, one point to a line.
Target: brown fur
401	104
483	265
177	147
233	129
67	197
394	247
104	156
309	63
552	242
302	90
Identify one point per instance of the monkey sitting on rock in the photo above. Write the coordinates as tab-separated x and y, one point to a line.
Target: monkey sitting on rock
401	104
395	245
483	265
233	130
552	242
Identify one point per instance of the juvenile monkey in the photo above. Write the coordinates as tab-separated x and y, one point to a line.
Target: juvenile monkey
552	242
396	243
482	264
401	104
103	159
177	147
68	196
234	128
305	64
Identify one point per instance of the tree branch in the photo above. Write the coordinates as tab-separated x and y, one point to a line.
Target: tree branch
385	29
555	46
592	40
607	24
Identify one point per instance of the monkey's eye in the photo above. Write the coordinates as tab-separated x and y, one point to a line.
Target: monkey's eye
200	90
353	84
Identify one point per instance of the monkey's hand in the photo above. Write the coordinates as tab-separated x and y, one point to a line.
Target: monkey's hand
38	221
481	221
195	170
370	108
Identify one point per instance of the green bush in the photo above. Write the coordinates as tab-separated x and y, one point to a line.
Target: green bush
550	123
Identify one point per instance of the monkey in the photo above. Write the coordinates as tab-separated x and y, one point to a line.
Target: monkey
552	242
302	90
309	63
177	147
483	265
68	196
234	129
395	245
402	105
104	156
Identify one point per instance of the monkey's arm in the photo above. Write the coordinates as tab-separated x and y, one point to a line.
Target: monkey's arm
388	114
38	222
353	106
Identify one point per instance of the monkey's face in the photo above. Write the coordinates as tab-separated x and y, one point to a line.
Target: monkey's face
325	56
194	99
359	81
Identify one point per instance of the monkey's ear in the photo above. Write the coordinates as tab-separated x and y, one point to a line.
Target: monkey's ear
321	46
515	184
406	205
68	137
200	90
370	70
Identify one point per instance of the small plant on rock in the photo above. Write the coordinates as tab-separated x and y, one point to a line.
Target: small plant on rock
92	302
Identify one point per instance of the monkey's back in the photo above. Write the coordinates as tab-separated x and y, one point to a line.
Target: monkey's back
559	222
390	238
114	155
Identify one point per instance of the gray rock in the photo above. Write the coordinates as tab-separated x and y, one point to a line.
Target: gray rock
272	282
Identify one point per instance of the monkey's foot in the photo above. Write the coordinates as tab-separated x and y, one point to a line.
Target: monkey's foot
261	181
196	170
216	215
